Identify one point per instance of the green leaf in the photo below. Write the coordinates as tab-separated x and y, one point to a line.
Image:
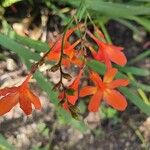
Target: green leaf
112	9
7	3
141	85
142	21
65	117
128	24
101	68
139	57
135	71
4	145
20	50
136	100
37	45
47	87
142	0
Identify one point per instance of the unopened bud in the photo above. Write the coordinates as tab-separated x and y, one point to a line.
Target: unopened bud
54	68
65	56
70	91
67	76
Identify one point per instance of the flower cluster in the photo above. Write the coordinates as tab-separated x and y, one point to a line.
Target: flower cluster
67	54
103	89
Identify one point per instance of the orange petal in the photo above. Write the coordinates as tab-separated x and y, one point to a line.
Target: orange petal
118	83
95	102
96	78
116	55
77	61
25	104
34	99
109	75
28	77
61	95
65	106
53	56
75	83
6	91
56	46
115	99
7	103
106	59
70	50
66	63
87	90
73	98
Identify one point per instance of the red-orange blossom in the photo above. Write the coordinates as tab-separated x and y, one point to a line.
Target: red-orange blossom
105	89
20	94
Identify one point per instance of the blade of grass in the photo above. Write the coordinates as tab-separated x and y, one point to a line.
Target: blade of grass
128	24
142	21
136	100
134	70
10	44
141	85
5	145
35	44
112	9
141	56
139	90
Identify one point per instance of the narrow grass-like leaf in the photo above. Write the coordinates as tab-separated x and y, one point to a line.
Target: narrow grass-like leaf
113	9
135	100
7	3
47	87
65	117
20	50
101	68
4	145
139	57
37	45
141	85
135	71
142	21
128	24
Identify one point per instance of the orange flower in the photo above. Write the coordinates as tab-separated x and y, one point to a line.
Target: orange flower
74	88
107	53
105	90
72	54
22	95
